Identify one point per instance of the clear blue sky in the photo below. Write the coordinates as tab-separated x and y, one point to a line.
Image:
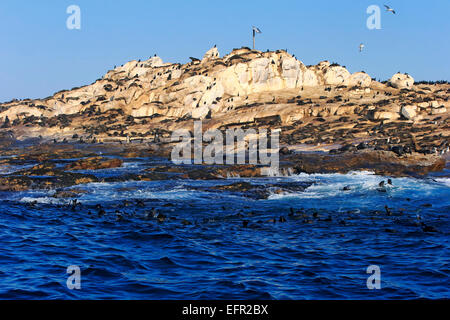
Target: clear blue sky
39	55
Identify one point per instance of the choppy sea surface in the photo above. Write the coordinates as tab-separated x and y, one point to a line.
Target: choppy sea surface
224	245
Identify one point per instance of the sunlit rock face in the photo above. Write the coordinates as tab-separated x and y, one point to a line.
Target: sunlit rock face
402	81
241	87
146	88
361	79
211	54
336	76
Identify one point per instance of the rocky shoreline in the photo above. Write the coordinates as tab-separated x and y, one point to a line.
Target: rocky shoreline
60	166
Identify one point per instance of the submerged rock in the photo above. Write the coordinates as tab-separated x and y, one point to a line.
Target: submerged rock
44	180
402	81
15	183
249	190
64	194
381	162
96	163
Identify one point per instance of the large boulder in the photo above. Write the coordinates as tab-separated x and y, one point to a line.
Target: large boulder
336	76
380	115
401	81
155	62
409	112
361	79
435	104
440	110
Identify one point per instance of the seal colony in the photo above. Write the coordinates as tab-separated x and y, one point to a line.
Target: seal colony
397	127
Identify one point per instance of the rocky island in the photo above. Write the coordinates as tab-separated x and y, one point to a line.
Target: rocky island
329	119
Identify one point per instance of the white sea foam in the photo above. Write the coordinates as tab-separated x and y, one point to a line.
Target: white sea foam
362	183
363	188
45	200
445	181
118	191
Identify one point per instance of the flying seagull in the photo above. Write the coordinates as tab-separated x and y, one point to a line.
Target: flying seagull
361	47
389	9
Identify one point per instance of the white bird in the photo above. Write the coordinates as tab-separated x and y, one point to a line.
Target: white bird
361	47
389	9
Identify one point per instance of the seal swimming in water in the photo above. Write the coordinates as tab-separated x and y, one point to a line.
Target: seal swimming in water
429	229
101	212
291	212
388	211
382	187
161	217
186	223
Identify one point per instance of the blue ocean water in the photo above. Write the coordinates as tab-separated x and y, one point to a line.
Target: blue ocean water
203	250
